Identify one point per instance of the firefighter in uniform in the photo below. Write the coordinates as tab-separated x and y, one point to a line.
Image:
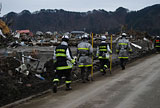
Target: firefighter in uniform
123	48
157	43
63	58
84	53
103	51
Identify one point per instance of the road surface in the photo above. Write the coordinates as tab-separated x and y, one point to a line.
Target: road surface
136	87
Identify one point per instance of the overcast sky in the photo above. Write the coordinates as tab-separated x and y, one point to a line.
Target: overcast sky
73	5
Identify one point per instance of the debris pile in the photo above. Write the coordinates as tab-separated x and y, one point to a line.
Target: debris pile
16	84
22	73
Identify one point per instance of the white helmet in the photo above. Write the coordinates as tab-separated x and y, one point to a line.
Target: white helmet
124	34
85	36
103	38
65	38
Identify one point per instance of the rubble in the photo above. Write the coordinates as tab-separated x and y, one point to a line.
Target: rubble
39	70
26	65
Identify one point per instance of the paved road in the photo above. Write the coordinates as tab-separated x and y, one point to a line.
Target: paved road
136	87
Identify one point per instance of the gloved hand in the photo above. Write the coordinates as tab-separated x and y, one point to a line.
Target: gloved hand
54	61
117	51
110	52
73	61
130	51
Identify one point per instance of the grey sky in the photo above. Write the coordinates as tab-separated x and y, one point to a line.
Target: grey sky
73	5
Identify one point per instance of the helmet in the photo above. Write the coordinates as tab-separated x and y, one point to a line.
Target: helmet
124	34
65	38
103	38
85	36
158	36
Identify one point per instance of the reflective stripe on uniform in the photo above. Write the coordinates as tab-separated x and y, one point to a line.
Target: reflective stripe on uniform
97	54
83	48
105	66
73	61
157	46
67	82
101	70
88	65
61	50
54	61
60	55
157	41
117	50
102	49
63	67
100	57
130	50
123	44
84	65
123	57
55	80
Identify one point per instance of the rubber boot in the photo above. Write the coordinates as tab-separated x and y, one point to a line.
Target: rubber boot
83	77
68	87
87	76
55	87
105	67
123	67
104	71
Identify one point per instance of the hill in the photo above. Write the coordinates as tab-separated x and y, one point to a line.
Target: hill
97	21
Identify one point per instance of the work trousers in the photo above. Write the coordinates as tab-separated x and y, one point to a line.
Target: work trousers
123	62
104	63
60	73
85	71
158	49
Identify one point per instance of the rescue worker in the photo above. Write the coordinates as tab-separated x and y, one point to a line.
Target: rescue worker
157	43
123	48
63	57
84	53
103	51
